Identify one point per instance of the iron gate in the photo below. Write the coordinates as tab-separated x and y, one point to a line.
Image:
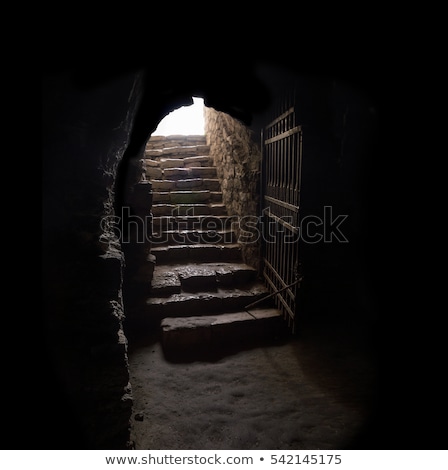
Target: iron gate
281	146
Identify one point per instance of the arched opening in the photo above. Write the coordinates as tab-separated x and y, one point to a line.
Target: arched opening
187	120
224	386
203	243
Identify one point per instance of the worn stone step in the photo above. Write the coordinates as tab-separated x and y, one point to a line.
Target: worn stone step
156	144
198	222
190	184
188	209
161	197
153	152
216	197
172	254
186	150
182	197
149	162
192	237
183	173
221	300
186	162
209	184
203	171
163	185
175	140
192	277
164	282
200	160
187	334
152	172
171	163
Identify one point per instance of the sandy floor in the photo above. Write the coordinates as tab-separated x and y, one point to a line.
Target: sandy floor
313	392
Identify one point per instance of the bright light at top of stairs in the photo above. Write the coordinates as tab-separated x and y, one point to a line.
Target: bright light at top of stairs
187	120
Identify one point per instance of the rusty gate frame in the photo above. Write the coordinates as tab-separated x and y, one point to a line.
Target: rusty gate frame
281	173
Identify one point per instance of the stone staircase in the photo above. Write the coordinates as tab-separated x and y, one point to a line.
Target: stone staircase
200	287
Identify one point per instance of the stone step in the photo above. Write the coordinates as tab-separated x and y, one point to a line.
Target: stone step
198	222
177	173
198	161
173	149
219	300
208	184
193	277
174	254
175	140
193	237
186	197
171	163
159	210
193	333
152	172
186	162
187	150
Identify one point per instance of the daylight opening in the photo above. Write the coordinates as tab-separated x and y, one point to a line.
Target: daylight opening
187	120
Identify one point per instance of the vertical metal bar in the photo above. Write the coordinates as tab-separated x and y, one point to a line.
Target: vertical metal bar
290	169
268	170
271	169
275	172
299	176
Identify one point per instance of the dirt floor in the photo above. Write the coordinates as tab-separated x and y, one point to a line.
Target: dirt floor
314	391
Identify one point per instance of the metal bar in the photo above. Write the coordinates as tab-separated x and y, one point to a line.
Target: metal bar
274	170
281	303
278	278
296	169
289	170
282	203
282	116
299	176
278	291
287	225
283	135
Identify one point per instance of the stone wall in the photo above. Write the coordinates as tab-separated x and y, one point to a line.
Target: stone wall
89	396
237	158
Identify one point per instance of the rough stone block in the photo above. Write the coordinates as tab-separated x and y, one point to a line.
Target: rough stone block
217	209
171	163
160	197
165	282
197	278
162	209
189	197
163	185
154	173
151	163
185	333
153	153
177	173
188	304
212	184
197	161
215	196
203	171
191	183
